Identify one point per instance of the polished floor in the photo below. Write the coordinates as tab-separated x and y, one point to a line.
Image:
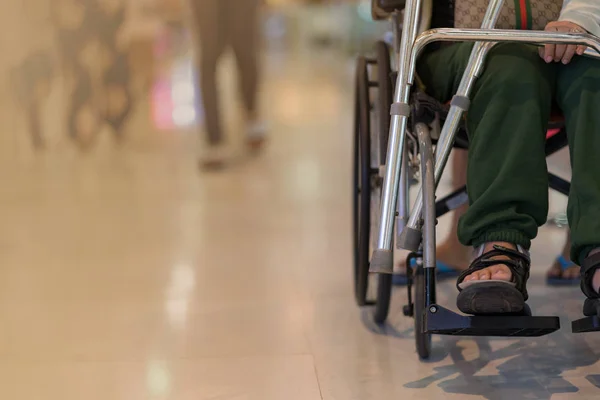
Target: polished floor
127	274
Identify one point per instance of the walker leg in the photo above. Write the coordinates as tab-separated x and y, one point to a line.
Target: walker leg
411	236
382	260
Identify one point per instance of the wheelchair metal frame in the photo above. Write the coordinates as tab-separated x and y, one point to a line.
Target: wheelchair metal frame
416	230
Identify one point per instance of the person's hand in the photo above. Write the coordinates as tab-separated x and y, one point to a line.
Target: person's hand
562	52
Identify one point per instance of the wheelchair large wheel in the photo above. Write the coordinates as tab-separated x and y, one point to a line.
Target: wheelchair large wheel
384	295
362	182
385	93
368	155
384	101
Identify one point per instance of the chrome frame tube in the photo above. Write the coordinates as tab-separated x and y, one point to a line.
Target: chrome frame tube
395	152
501	36
428	193
395	21
403	190
403	194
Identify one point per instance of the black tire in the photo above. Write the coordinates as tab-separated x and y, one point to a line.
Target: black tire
362	182
384	296
356	193
384	93
422	339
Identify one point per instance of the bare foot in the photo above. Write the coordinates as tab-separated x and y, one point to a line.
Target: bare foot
496	272
569	273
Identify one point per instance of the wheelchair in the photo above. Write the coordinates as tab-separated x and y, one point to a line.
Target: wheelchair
396	127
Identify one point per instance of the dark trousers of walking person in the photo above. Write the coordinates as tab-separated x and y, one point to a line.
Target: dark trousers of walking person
220	25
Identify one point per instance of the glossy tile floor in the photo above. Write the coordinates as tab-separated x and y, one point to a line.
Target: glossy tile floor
126	274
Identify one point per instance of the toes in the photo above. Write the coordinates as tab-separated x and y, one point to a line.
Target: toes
472	277
554	274
572	273
475	276
497	272
485	274
479	275
555	271
501	272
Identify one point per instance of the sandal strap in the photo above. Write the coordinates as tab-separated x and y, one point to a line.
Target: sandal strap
565	263
518	263
588	267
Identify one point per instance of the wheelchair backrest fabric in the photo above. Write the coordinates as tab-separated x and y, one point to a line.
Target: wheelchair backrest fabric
516	14
390	5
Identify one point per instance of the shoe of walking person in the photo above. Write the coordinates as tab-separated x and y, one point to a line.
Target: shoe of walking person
256	136
215	158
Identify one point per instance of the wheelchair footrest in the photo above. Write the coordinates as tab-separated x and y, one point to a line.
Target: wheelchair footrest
441	321
587	324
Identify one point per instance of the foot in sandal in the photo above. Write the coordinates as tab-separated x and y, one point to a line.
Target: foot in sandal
495	282
564	272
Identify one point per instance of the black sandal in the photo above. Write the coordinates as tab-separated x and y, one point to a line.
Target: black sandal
495	296
589	266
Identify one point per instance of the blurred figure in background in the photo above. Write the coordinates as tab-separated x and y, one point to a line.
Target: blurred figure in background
218	25
96	66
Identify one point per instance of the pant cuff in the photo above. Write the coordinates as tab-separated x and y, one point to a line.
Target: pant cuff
513	237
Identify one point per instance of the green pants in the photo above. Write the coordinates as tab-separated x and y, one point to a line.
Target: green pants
507	179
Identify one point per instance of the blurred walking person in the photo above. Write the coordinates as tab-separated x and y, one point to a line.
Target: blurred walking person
218	26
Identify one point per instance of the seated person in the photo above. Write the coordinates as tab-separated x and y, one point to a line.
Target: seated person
452	257
507	175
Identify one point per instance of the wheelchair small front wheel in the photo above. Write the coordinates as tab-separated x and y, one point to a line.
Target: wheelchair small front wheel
422	339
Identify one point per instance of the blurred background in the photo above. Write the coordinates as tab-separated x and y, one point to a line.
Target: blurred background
66	61
126	272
